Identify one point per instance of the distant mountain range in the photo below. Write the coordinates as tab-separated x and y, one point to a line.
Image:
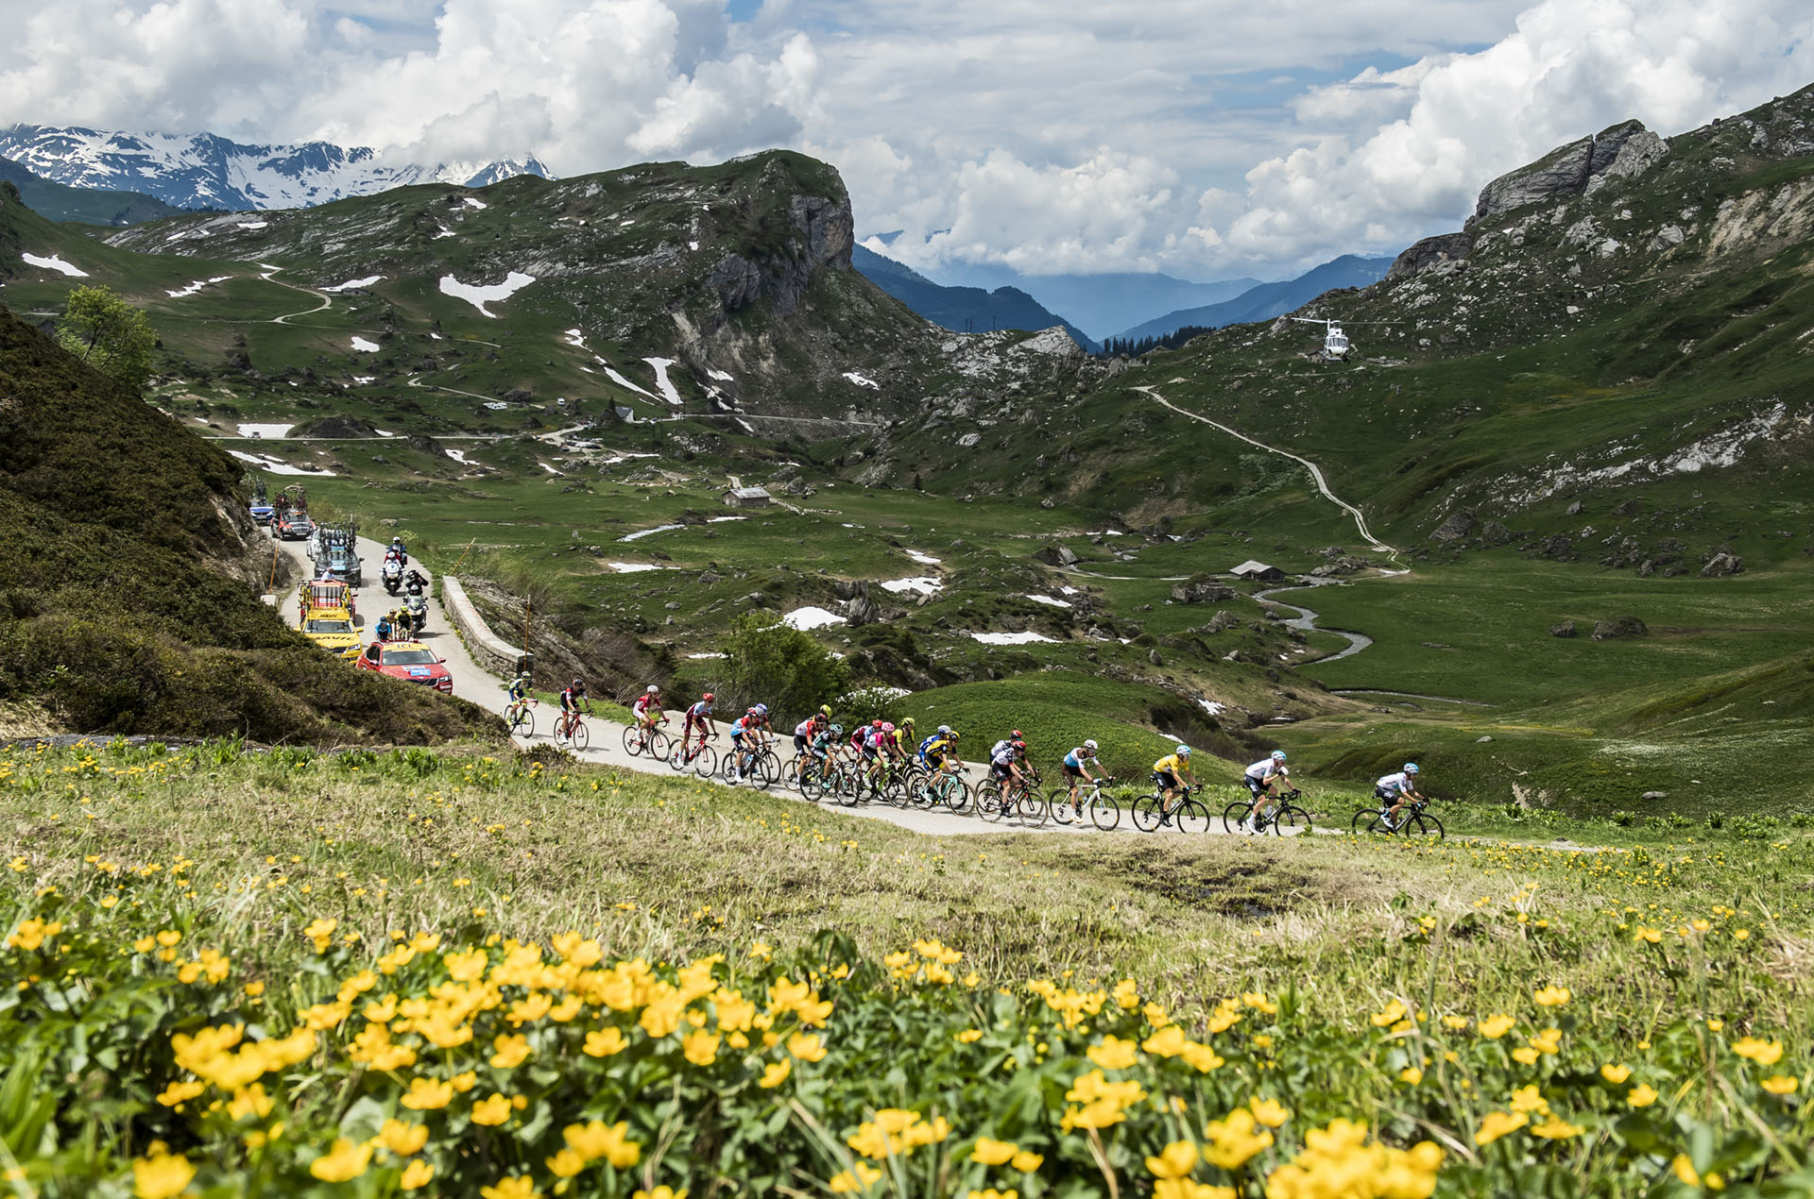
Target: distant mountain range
1267	300
963	309
1102	304
87	206
205	171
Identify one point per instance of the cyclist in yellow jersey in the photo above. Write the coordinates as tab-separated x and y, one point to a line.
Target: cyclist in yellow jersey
904	739
1172	774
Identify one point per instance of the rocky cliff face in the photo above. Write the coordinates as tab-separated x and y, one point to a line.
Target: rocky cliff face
1623	151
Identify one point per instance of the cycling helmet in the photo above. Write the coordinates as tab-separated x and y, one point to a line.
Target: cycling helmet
825	709
1183	751
579	684
906	722
654	690
887	727
836	730
875	724
944	730
708	697
1017	734
760	709
1090	745
1278	755
1021	746
1410	767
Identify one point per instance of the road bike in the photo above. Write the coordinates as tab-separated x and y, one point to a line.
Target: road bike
521	716
1102	810
1414	822
758	765
692	751
570	731
644	739
1185	815
942	786
1022	802
1285	819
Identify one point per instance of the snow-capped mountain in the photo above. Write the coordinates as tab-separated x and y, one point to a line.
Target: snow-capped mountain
205	171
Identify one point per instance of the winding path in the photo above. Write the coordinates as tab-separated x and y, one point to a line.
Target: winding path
1316	472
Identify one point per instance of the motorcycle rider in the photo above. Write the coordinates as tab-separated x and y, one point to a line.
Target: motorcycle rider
414	583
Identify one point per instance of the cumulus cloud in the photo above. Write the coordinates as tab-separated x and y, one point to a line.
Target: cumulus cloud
1010	132
1569	68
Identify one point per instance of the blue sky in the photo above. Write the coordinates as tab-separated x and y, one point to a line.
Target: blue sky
1204	138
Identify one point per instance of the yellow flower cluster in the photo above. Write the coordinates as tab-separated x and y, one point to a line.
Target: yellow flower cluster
32	933
1339	1162
1098	1103
896	1131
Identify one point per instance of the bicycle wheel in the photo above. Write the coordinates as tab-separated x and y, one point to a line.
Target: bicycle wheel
705	762
765	769
727	767
562	738
1368	820
1235	815
812	783
1191	817
954	793
849	787
1105	812
522	723
658	744
989	802
1030	806
1058	803
1424	826
580	735
1289	821
632	740
1146	811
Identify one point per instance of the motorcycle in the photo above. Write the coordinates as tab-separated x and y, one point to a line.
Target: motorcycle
414	583
417	608
392	572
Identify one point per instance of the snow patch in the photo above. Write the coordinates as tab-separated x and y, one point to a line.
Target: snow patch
54	263
1212	707
641	533
631	568
474	203
810	618
861	381
366	347
612	374
1026	638
355	284
928	585
459	456
710	520
922	559
253	429
255	225
557	474
479	296
664	384
706	657
278	466
362	380
185	293
1046	599
722	376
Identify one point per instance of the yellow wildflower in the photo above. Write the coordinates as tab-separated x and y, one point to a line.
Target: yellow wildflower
1494	1027
1553	996
1176	1160
428	1094
1269	1112
518	1186
347	1160
1642	1095
1234	1140
509	1050
993	1153
1498	1124
492	1111
775	1074
403	1138
1615	1074
604	1042
1112	1053
161	1174
1764	1053
416	1175
1779	1084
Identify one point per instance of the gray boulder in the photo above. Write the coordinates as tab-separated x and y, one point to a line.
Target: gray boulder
1563	171
1199	591
1565	629
1723	564
1456	528
1056	555
1624	626
1431	251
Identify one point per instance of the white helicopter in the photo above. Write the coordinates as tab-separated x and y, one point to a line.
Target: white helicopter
1335	342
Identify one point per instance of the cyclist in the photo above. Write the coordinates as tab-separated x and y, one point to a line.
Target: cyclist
573	701
1260	779
519	696
1172	773
938	749
648	713
822	750
699	716
1400	788
804	734
384	626
904	739
1077	767
746	734
1005	758
875	739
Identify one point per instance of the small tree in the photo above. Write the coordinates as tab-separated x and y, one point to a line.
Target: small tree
786	669
108	334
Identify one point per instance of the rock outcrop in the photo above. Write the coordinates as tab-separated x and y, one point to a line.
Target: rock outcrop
1431	252
1582	167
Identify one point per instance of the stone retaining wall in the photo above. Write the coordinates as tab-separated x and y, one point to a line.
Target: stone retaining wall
488	649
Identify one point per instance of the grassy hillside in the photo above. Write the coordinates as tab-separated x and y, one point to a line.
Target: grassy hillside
124	602
717	991
82	205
